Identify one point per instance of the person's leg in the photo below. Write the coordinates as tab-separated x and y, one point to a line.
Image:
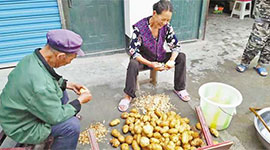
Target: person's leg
66	134
180	72
131	77
179	76
264	59
130	87
255	43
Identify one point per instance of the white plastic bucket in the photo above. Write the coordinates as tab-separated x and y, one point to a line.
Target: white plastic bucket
218	102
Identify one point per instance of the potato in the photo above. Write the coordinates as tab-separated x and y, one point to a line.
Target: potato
135	137
157	135
173	123
115	142
138	139
158	113
173	131
157	128
181	128
148	129
153	116
186	120
121	138
196	142
214	132
154	140
138	129
137	122
130	120
178	148
153	123
144	141
166	135
125	129
134	110
114	122
164	129
167	140
131	127
193	148
135	145
185	137
164	117
178	143
132	115
124	146
124	115
162	144
156	146
137	116
129	139
198	126
195	135
150	135
146	118
171	113
170	118
174	138
164	123
170	146
215	142
186	147
190	135
158	121
178	117
115	133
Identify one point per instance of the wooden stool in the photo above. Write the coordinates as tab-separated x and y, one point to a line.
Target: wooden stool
152	79
6	143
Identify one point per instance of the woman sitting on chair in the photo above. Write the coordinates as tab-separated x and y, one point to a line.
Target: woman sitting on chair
146	50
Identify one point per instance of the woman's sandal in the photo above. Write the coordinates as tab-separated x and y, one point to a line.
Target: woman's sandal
241	68
183	95
124	102
261	71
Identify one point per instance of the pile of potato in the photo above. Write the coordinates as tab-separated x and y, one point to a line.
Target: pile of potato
155	130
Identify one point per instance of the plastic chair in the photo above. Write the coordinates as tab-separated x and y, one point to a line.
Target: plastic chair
240	8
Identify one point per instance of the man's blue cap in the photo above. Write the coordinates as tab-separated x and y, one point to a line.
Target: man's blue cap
65	41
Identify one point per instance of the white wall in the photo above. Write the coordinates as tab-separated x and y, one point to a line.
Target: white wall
136	10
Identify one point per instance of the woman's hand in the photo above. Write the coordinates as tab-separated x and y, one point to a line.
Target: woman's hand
169	64
157	66
75	87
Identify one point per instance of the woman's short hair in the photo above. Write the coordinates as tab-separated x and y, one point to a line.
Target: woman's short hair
162	5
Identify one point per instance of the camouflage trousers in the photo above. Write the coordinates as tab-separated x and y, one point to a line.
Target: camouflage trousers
259	42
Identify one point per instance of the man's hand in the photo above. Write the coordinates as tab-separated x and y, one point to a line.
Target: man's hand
74	86
157	66
85	95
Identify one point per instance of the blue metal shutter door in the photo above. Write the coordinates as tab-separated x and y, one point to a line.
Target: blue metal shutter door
23	26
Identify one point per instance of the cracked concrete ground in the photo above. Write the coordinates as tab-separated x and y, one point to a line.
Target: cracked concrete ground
213	59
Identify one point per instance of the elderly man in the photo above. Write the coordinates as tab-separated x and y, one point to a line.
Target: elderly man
33	104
